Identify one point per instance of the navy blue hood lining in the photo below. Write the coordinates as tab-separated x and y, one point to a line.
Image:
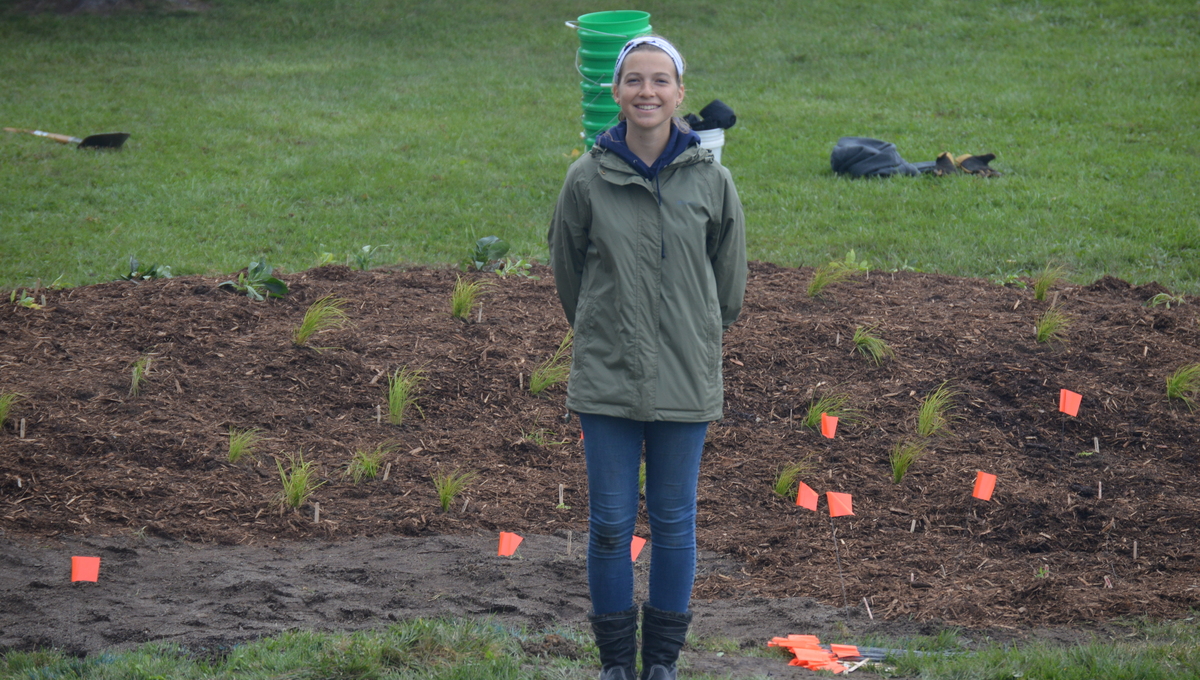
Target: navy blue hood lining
614	140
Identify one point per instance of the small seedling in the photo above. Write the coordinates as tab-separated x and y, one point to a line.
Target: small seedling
138	273
138	373
485	256
1010	279
402	393
1182	384
642	478
364	257
832	405
298	480
931	418
1086	453
544	437
366	463
324	257
24	299
871	345
826	274
1042	571
325	313
562	505
785	482
7	400
1165	300
902	457
463	297
518	267
1051	326
242	443
450	484
1050	275
257	283
554	370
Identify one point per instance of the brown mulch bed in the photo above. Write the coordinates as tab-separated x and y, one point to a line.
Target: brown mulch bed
1055	545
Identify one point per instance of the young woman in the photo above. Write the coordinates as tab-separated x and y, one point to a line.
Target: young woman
648	248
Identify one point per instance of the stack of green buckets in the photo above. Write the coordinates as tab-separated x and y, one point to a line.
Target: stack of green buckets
601	37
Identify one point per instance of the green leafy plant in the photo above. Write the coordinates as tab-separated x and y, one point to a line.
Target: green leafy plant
554	370
854	264
1183	384
870	345
931	417
464	296
448	485
366	463
299	481
24	299
324	257
1043	571
1165	300
785	481
902	457
485	256
544	437
642	478
137	273
138	373
826	274
7	401
1086	453
242	443
402	393
257	282
518	267
363	258
326	313
830	404
1050	275
1052	325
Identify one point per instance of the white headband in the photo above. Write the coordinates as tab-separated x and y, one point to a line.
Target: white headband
649	40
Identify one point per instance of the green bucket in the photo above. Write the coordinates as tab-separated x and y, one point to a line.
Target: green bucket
601	37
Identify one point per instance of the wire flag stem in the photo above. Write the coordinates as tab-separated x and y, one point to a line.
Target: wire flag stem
838	556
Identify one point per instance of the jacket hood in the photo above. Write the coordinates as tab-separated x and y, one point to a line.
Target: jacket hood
614	141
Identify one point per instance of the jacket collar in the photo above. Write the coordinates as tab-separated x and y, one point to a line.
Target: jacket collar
614	140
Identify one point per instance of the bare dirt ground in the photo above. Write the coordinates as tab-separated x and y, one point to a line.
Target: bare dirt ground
196	551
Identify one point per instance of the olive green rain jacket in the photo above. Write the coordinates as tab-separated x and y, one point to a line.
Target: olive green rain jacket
649	285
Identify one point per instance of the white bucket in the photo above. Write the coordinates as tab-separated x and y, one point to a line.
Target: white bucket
713	140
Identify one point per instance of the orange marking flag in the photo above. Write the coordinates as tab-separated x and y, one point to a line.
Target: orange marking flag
806	497
839	503
85	569
844	651
508	544
828	425
635	547
1068	402
808	653
984	485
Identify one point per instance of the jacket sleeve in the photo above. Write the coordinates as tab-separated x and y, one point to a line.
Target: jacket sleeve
568	239
727	251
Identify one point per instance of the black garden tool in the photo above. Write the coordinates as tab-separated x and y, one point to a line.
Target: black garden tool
104	140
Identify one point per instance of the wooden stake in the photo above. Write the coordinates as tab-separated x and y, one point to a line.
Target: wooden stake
868	605
1099	490
465	502
22	435
378	413
838	556
316	513
479	319
520	382
1135	550
568	542
560	494
1096	442
913	527
387	470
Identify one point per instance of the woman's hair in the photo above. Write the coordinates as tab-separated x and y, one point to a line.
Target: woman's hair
649	44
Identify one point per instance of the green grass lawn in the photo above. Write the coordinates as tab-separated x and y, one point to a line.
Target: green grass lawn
294	128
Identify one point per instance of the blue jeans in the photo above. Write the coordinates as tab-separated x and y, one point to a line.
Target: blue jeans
613	448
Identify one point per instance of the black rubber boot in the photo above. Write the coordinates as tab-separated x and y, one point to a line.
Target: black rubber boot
616	638
663	635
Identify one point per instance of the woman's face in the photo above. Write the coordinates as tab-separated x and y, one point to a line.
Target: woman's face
649	91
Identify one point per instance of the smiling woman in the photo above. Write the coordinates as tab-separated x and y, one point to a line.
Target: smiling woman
648	247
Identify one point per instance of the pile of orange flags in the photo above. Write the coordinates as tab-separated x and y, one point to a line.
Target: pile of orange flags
809	654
